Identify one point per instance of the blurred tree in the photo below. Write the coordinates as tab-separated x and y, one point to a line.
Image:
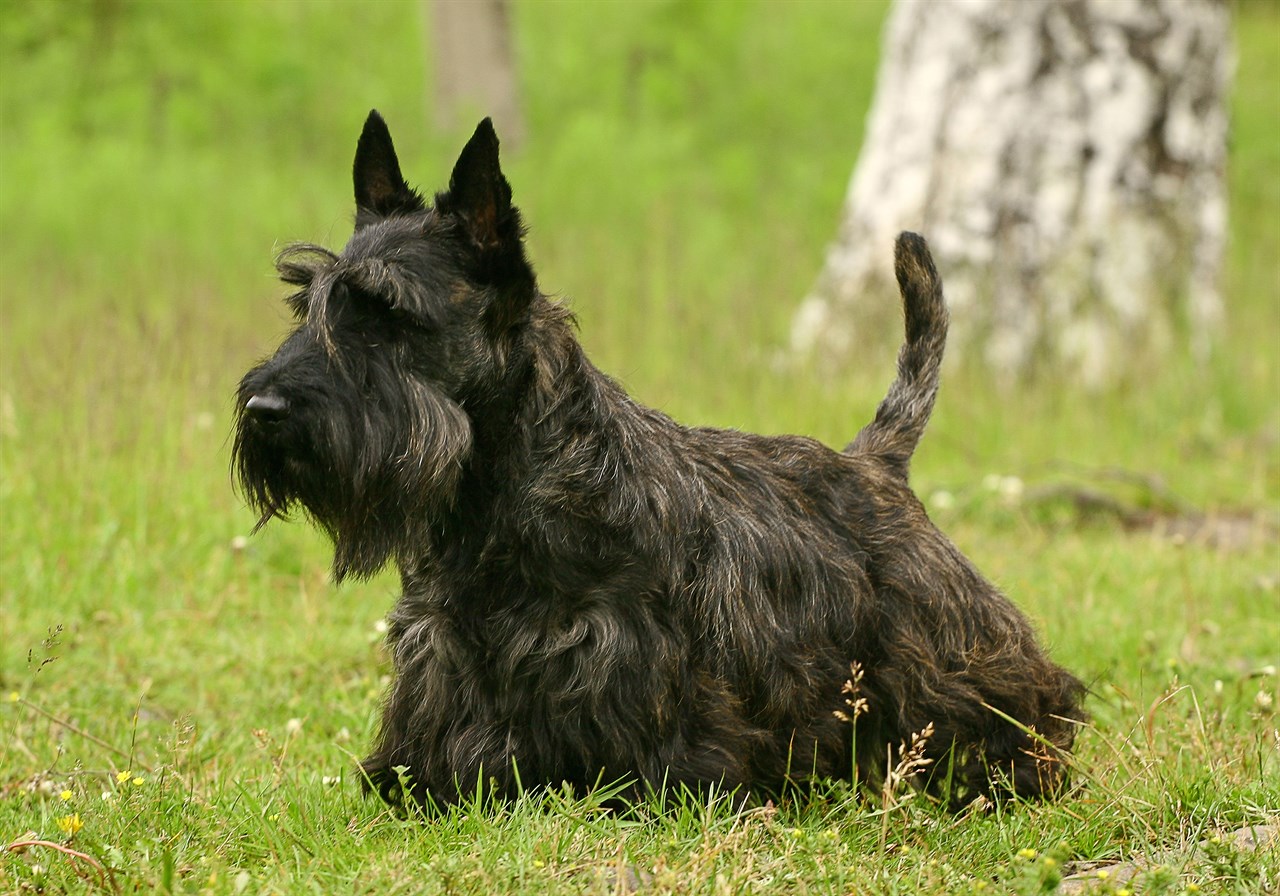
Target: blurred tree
475	69
1065	158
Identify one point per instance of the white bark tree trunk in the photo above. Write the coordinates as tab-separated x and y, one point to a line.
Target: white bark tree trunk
1065	159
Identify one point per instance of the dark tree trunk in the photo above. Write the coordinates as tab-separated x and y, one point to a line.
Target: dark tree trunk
474	67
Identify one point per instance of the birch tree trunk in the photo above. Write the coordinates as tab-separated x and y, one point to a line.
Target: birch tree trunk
1065	159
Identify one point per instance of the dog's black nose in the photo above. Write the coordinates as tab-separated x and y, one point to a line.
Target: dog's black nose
267	406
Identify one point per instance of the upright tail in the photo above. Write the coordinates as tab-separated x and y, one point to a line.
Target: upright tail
902	415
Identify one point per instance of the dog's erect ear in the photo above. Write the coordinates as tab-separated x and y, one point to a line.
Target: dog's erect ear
478	193
380	189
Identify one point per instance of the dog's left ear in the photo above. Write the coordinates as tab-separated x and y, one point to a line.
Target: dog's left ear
380	189
478	193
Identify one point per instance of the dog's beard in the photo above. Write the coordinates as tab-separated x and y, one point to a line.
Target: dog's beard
374	490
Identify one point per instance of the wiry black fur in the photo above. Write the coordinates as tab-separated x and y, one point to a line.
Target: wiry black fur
592	591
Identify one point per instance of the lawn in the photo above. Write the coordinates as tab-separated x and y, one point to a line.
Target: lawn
182	703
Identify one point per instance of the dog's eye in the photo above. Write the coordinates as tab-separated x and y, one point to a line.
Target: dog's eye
373	301
384	307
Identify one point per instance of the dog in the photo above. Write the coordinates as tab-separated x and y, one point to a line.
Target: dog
593	592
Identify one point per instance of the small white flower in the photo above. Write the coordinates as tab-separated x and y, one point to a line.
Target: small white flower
292	727
1010	488
942	500
239	543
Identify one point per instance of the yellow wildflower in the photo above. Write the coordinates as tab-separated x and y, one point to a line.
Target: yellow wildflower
69	824
65	795
124	776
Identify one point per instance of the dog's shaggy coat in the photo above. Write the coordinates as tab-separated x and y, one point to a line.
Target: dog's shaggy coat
592	591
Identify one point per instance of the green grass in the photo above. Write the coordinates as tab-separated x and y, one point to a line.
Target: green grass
683	173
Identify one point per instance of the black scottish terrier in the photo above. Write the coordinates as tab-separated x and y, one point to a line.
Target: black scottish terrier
593	592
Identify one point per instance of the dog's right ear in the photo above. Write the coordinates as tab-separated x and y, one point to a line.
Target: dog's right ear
380	189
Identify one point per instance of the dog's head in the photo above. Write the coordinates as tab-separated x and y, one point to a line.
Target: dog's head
364	416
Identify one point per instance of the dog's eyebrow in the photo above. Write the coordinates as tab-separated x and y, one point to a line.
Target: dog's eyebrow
300	263
390	283
319	272
373	276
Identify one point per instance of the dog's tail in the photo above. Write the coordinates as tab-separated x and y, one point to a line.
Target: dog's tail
900	420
